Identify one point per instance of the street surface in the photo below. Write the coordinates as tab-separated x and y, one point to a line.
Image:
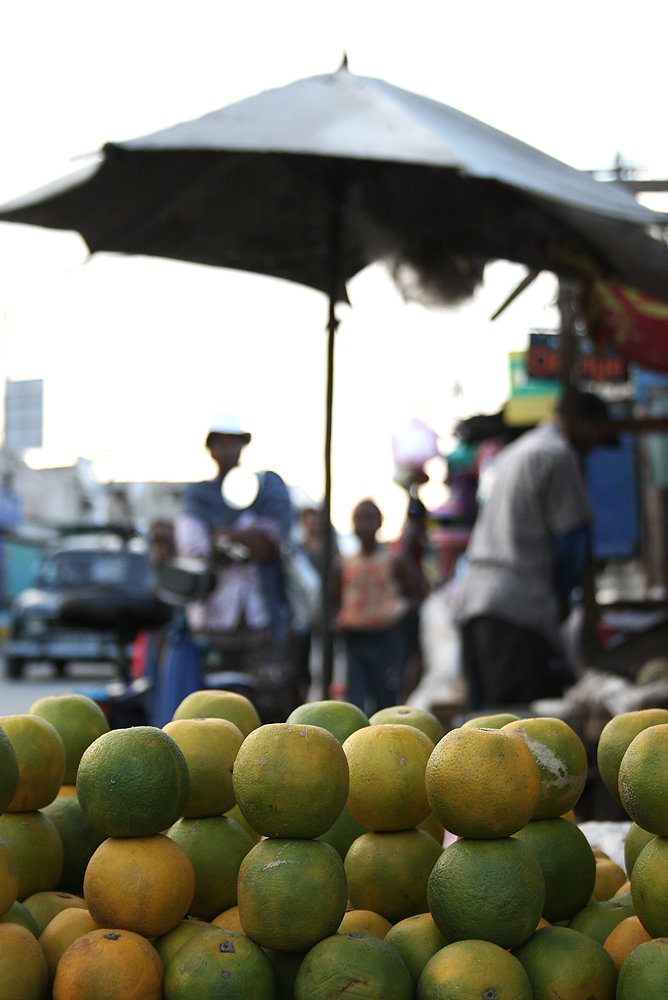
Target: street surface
40	680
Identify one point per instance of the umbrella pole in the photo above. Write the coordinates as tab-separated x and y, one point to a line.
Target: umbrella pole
327	636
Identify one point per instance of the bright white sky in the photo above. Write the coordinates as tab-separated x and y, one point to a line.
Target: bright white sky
137	354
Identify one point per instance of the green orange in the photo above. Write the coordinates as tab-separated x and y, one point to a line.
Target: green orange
561	759
133	782
339	963
40	755
410	715
341	718
9	771
615	738
79	721
219	963
474	969
567	862
562	962
217	704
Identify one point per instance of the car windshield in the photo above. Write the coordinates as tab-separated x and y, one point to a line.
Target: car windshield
81	568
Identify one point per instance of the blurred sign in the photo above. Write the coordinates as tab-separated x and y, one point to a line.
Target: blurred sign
544	360
24	414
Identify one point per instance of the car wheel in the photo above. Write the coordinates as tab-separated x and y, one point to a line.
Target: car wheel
59	666
14	666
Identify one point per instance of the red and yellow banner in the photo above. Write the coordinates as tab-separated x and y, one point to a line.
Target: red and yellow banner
634	323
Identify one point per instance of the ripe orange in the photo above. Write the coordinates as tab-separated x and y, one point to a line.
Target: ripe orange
215	846
40	755
488	889
497	720
431	825
342	832
219	963
80	838
114	964
615	738
230	705
79	721
474	969
23	970
63	930
37	848
229	920
416	939
45	904
410	715
291	780
361	961
623	938
9	771
341	718
210	747
388	872
562	962
482	783
649	887
567	862
597	920
9	876
643	787
561	759
387	776
609	878
133	782
635	840
291	893
140	884
364	921
644	973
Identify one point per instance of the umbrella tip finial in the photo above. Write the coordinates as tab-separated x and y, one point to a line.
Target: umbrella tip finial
344	64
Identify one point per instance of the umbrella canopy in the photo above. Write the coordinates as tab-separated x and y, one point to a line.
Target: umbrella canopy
315	180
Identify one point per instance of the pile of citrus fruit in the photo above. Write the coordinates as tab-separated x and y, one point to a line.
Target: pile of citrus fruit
333	853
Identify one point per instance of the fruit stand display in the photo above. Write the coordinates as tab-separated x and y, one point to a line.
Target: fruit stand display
329	854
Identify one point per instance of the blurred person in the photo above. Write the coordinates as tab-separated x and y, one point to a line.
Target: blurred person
413	546
526	555
244	623
373	590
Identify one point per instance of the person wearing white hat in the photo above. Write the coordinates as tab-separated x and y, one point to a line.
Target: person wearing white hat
244	624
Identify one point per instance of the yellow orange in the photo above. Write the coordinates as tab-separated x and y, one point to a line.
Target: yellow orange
139	884
291	780
482	783
40	755
210	747
115	964
609	878
387	776
230	705
78	720
635	840
23	969
561	759
649	887
229	920
133	782
63	930
387	872
44	905
365	922
474	969
497	720
623	938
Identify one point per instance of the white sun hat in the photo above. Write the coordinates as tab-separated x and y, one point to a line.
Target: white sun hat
227	423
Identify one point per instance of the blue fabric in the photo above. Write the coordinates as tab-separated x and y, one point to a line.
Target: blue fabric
373	669
179	672
204	501
570	553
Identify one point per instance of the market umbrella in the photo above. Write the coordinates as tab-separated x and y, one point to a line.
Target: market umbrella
315	180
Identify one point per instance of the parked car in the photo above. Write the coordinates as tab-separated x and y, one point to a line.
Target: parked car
94	590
